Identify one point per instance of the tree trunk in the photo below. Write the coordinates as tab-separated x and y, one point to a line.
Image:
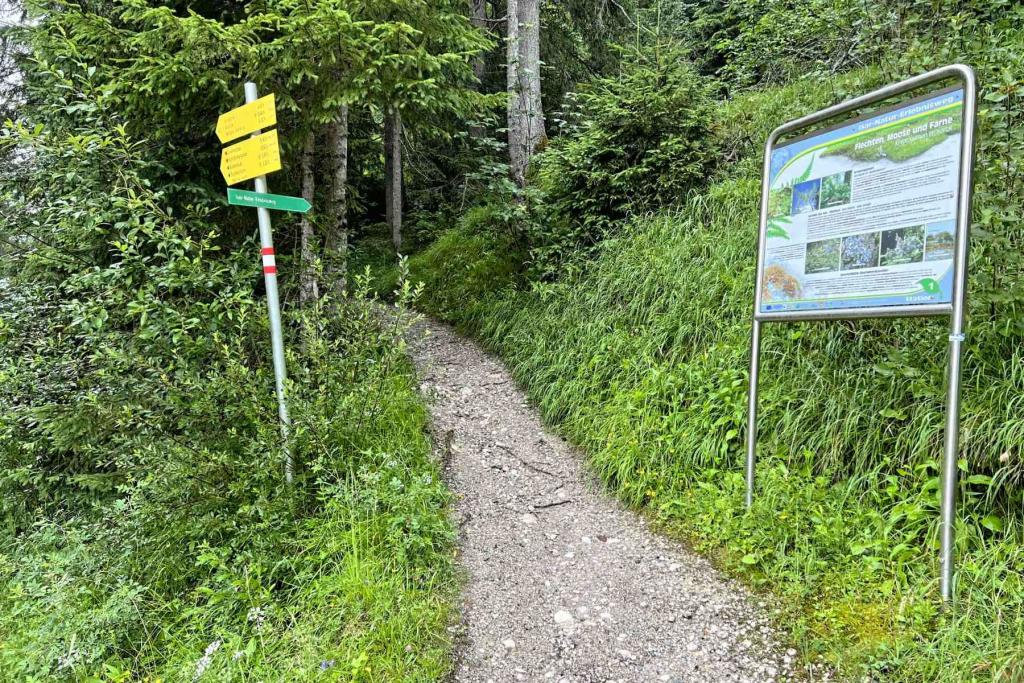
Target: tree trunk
308	288
336	239
478	17
525	113
529	69
393	174
517	154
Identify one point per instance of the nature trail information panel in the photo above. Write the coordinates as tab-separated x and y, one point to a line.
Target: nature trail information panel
863	214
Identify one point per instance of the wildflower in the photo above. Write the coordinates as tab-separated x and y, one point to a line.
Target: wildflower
326	664
204	662
257	616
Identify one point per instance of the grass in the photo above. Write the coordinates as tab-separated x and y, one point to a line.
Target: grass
642	360
462	263
348	577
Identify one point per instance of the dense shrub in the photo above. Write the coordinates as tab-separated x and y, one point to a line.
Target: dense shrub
749	42
148	531
465	264
636	142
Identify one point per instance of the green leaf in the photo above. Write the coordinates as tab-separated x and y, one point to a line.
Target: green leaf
992	523
807	172
749	558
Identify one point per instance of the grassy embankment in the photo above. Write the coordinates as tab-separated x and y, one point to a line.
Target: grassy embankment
642	360
348	577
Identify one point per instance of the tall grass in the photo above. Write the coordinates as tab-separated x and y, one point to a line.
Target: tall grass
642	360
346	576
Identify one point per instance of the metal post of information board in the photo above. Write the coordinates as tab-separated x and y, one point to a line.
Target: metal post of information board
755	361
954	308
956	331
273	305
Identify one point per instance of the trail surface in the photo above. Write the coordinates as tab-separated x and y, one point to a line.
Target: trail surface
563	583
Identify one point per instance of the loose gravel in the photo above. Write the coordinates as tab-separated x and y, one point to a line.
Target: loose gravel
563	583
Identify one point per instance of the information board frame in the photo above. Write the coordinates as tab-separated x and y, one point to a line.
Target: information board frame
954	308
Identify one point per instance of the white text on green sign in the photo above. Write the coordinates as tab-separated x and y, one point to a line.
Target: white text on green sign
277	202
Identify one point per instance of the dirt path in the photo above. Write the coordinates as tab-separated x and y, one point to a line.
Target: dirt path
563	583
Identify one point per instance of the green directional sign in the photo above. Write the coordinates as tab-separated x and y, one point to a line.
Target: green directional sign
260	200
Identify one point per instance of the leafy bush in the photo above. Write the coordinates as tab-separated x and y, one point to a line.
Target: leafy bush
149	531
466	264
640	140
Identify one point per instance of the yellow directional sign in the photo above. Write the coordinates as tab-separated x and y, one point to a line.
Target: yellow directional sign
247	119
254	157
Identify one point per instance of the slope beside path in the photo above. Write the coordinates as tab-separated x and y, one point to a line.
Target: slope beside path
563	583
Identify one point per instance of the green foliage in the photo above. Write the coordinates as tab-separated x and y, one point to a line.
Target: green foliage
148	531
754	41
170	70
466	264
748	42
642	359
641	140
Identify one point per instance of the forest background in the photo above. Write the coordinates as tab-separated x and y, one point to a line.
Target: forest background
576	184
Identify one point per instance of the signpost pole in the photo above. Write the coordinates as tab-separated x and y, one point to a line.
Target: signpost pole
956	333
273	305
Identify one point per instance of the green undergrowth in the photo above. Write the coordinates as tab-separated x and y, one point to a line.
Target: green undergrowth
348	577
149	530
642	359
463	264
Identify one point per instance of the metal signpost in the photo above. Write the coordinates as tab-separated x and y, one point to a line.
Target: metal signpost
867	218
253	159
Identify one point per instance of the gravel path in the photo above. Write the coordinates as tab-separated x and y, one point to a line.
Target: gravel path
563	583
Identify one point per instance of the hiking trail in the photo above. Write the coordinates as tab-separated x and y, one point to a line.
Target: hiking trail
562	582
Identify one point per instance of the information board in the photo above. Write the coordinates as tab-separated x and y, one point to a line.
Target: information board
863	215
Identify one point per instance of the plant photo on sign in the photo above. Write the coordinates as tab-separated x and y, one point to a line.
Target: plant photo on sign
902	246
837	189
780	201
778	227
822	256
860	251
939	242
805	196
778	284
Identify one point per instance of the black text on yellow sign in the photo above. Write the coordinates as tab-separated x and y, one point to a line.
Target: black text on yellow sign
247	119
254	157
